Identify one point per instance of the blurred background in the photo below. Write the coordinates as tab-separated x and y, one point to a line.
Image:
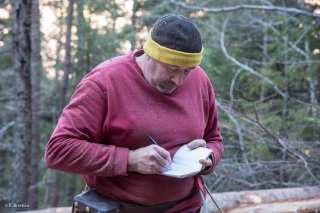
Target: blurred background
262	56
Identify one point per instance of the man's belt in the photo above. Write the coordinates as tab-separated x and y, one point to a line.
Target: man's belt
129	208
93	202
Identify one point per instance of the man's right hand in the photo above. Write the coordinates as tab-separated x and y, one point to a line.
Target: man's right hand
151	159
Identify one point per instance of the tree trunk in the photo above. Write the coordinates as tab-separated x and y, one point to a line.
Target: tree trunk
55	188
67	62
23	116
136	7
36	67
82	43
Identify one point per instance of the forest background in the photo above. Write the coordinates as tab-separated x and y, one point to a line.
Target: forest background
262	56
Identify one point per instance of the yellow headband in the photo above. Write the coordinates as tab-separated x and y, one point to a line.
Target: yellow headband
170	56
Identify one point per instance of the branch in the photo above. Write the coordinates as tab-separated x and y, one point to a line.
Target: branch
5	99
240	136
246	7
245	67
285	147
6	127
232	86
291	44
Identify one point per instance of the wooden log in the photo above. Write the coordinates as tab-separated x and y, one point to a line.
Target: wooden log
51	210
229	201
287	200
300	206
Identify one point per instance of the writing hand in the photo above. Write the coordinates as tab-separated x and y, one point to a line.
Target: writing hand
151	159
200	143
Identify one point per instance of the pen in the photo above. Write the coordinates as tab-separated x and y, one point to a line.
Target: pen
152	140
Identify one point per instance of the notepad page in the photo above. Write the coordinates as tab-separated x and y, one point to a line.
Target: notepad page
181	170
185	162
187	156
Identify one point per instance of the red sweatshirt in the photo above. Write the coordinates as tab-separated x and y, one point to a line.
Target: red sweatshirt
113	110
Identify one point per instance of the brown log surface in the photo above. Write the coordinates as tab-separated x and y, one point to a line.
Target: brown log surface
299	206
51	210
270	200
287	200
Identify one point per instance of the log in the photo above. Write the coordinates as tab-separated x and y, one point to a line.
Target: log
304	206
266	200
288	200
51	210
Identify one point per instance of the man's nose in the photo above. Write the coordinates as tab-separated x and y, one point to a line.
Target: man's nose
178	78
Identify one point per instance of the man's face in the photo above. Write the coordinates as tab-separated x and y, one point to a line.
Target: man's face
166	78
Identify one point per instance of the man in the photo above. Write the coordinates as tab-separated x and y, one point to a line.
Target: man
158	91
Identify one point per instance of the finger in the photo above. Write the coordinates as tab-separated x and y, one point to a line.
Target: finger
161	162
205	162
163	153
156	168
157	163
196	143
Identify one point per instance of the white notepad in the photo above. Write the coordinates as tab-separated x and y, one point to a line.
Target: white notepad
185	162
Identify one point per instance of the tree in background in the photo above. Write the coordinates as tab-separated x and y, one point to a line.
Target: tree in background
23	97
259	58
27	60
262	57
6	102
36	70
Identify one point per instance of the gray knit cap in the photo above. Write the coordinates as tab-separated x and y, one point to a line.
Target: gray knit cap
177	33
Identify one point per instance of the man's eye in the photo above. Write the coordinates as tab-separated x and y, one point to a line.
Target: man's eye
173	69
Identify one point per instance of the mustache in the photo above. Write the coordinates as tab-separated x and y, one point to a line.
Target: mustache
168	83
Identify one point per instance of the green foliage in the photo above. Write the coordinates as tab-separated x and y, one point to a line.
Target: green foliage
214	64
5	62
278	46
254	119
259	152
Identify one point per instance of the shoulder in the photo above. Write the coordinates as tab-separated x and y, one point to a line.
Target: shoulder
110	70
201	82
200	77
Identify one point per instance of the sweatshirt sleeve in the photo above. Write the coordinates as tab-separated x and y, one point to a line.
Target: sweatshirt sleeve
77	145
212	132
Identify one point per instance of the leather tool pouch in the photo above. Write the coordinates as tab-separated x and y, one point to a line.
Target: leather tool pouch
92	202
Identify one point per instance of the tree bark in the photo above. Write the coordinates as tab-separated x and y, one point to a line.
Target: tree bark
55	194
67	62
23	116
82	43
36	68
136	7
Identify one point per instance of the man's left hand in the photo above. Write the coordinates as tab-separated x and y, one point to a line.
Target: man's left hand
200	143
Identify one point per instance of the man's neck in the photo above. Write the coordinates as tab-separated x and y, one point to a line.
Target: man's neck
141	60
